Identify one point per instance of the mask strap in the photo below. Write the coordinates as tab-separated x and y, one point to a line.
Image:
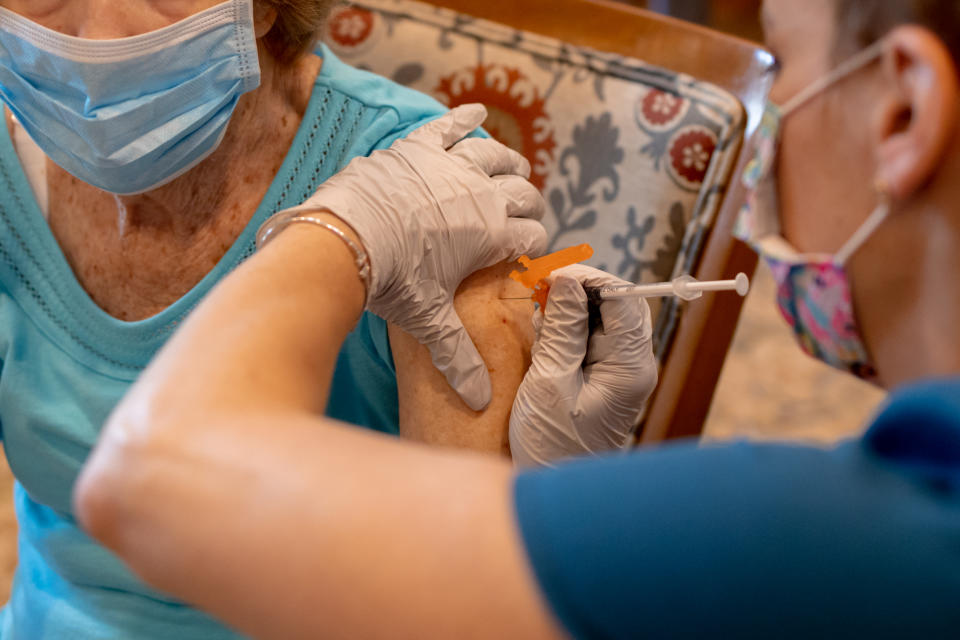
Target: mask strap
85	50
851	65
865	231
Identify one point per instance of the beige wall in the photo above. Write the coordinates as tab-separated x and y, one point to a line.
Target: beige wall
769	389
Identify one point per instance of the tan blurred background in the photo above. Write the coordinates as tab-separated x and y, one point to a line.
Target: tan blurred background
768	390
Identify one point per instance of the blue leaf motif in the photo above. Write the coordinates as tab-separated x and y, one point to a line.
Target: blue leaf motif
597	154
633	243
666	258
662	266
558	204
588	165
542	62
598	87
408	74
579	197
584	222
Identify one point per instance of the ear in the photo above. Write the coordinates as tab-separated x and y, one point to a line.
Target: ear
264	17
918	112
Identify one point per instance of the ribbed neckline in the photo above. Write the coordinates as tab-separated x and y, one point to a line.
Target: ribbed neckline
58	304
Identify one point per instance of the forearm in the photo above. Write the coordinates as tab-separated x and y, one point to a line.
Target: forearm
298	299
267	337
328	531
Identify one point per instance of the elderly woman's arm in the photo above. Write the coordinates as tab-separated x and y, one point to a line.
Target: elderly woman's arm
217	481
430	410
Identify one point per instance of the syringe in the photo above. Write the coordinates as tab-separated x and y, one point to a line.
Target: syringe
684	287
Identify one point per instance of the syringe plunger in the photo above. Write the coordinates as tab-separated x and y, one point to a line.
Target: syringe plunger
684	287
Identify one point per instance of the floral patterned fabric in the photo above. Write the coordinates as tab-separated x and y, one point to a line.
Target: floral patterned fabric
815	300
631	158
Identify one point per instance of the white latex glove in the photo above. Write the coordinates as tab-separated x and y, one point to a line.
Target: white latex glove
431	211
580	395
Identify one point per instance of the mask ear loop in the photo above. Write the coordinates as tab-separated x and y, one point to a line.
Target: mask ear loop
867	229
844	69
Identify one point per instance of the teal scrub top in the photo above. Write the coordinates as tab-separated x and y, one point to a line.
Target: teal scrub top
760	541
64	365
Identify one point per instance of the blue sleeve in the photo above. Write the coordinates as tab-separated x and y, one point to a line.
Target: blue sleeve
743	541
364	386
918	428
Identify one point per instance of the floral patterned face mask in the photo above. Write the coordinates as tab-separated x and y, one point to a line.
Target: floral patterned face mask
813	290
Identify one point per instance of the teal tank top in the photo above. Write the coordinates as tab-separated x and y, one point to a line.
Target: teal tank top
64	364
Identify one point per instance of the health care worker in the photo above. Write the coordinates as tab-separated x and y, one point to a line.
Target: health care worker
747	540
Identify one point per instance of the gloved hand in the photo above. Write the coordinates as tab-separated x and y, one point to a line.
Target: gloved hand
431	211
583	394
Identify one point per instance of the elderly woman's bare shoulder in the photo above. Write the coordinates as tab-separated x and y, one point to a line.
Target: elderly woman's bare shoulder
430	411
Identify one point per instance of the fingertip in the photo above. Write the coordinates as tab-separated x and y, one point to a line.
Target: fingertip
469	117
464	368
566	300
567	277
478	392
452	126
537	321
538	209
522	166
472	110
567	284
523	200
516	163
562	343
568	272
526	237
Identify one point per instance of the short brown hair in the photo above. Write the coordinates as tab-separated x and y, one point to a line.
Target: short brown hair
863	22
297	27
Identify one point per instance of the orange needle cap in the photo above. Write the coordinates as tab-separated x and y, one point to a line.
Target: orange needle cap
537	271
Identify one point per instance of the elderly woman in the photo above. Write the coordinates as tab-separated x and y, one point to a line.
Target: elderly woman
746	540
147	143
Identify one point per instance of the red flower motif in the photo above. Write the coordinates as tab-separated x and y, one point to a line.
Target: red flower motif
517	117
350	26
659	110
690	153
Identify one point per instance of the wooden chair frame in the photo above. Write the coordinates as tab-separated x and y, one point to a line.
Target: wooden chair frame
692	368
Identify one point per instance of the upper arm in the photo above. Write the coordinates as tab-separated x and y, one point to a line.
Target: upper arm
430	410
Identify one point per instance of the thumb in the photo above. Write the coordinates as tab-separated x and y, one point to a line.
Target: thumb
562	345
457	358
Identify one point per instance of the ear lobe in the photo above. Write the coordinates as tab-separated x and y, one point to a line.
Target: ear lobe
918	115
264	18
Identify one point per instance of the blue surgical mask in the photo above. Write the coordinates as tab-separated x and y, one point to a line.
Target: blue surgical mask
130	114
